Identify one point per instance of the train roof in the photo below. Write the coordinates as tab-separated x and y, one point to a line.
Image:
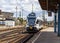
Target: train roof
32	14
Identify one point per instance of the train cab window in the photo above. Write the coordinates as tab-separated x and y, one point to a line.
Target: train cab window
49	14
37	21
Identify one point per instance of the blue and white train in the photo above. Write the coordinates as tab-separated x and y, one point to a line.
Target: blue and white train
33	24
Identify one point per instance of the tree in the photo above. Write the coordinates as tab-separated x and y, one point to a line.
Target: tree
21	20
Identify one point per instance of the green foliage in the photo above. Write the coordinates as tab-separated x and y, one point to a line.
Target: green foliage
21	20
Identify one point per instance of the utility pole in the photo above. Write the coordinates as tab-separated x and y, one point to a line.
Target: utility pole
16	12
22	12
20	15
32	7
16	9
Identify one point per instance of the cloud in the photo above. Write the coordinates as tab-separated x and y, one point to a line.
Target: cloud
26	5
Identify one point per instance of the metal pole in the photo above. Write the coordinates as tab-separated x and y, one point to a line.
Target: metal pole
47	5
59	20
32	7
16	12
16	9
22	15
55	23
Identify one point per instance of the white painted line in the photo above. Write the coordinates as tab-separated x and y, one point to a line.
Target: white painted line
36	38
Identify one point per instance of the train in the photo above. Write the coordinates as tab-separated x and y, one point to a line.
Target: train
33	24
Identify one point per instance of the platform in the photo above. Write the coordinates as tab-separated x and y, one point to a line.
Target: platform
48	36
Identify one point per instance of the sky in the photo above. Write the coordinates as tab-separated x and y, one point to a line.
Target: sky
22	5
26	5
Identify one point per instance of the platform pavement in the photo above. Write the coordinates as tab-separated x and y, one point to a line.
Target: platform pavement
48	36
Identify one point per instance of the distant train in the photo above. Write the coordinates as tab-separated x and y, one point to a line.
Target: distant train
33	24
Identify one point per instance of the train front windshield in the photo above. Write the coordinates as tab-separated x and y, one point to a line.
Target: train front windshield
31	21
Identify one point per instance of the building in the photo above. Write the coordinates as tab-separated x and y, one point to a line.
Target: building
6	19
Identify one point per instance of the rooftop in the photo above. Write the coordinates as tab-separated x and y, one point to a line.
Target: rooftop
49	5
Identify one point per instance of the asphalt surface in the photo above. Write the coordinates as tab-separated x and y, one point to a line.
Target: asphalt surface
45	36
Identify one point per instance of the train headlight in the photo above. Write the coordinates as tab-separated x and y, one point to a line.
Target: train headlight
30	27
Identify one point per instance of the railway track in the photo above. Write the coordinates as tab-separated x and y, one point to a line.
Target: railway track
25	39
13	39
10	34
7	29
15	36
30	37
